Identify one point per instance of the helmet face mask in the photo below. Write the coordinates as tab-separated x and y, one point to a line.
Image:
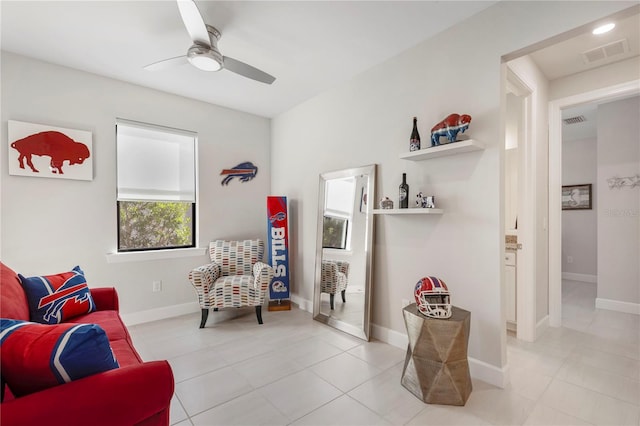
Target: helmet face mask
433	298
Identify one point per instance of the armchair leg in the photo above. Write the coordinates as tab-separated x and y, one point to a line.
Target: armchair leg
205	315
331	297
344	300
259	314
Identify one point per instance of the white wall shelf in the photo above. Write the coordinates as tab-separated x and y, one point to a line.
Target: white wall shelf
408	211
451	148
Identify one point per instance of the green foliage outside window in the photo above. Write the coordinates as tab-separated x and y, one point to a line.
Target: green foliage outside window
155	224
334	232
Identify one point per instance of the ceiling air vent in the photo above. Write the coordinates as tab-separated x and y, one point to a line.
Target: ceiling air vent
574	120
605	52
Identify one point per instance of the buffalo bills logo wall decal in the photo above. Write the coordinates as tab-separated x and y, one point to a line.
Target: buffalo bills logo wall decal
244	171
46	151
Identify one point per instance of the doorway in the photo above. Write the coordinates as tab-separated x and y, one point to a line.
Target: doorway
602	95
539	293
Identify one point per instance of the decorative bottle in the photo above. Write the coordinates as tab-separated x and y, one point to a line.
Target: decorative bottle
404	193
414	141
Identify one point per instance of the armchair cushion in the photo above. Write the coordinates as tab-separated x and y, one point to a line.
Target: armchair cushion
54	299
236	257
333	279
235	291
35	356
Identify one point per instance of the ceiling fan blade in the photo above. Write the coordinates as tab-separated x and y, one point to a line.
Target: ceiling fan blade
167	63
247	70
193	22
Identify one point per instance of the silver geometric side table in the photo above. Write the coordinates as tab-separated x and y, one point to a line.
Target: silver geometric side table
436	369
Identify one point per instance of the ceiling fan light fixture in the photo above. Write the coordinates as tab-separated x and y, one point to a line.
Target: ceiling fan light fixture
604	28
205	63
204	58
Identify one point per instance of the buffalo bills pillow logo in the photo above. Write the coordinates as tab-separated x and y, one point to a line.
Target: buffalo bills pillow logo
54	299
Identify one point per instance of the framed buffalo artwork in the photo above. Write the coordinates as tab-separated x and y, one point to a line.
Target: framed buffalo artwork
46	151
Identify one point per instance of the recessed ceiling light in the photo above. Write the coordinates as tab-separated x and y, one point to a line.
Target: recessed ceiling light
604	29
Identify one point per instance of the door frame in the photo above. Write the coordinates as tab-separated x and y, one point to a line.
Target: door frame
525	269
555	182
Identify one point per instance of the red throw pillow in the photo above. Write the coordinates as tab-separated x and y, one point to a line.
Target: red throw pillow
34	356
53	299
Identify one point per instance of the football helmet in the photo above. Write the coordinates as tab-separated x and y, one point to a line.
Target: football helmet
432	297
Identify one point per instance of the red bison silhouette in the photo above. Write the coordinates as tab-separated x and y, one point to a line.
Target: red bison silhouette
56	145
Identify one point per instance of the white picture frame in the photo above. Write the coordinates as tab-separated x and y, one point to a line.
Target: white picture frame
39	150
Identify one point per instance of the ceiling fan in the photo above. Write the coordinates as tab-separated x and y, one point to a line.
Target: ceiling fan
204	53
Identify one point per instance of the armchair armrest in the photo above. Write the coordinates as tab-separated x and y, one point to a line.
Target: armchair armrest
105	298
263	274
202	279
343	266
124	396
205	276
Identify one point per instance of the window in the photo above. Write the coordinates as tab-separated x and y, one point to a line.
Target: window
156	187
334	232
338	213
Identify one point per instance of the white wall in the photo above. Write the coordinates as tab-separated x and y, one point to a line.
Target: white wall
511	189
618	209
51	225
604	76
512	135
579	226
368	120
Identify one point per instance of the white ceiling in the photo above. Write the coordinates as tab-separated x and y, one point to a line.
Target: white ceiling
566	58
308	46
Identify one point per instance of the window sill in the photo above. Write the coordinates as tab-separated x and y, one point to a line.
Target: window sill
140	256
343	252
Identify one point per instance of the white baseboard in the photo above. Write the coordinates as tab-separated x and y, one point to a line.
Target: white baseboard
585	278
160	313
616	305
392	337
488	373
542	325
479	369
303	304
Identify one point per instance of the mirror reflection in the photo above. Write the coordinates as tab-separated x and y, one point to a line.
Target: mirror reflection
343	258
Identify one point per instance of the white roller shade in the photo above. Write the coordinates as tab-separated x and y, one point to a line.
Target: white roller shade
155	164
339	196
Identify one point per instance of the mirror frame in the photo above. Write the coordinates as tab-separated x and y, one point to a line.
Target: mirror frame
365	331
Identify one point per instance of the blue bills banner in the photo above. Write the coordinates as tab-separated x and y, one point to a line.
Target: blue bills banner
278	238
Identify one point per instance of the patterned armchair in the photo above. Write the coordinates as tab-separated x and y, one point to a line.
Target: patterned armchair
236	277
334	278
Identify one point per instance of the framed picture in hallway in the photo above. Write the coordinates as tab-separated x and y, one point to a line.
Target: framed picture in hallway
576	197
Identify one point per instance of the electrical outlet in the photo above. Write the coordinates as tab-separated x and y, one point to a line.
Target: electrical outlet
157	286
569	259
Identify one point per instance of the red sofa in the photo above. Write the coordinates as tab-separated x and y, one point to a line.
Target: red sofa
137	393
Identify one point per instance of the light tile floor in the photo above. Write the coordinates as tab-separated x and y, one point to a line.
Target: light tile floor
296	371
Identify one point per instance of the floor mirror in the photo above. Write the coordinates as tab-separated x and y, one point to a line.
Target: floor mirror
342	290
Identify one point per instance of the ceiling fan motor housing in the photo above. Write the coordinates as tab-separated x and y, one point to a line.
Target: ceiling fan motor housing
207	58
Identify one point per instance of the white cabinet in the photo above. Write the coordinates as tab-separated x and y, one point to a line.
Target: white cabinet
510	280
